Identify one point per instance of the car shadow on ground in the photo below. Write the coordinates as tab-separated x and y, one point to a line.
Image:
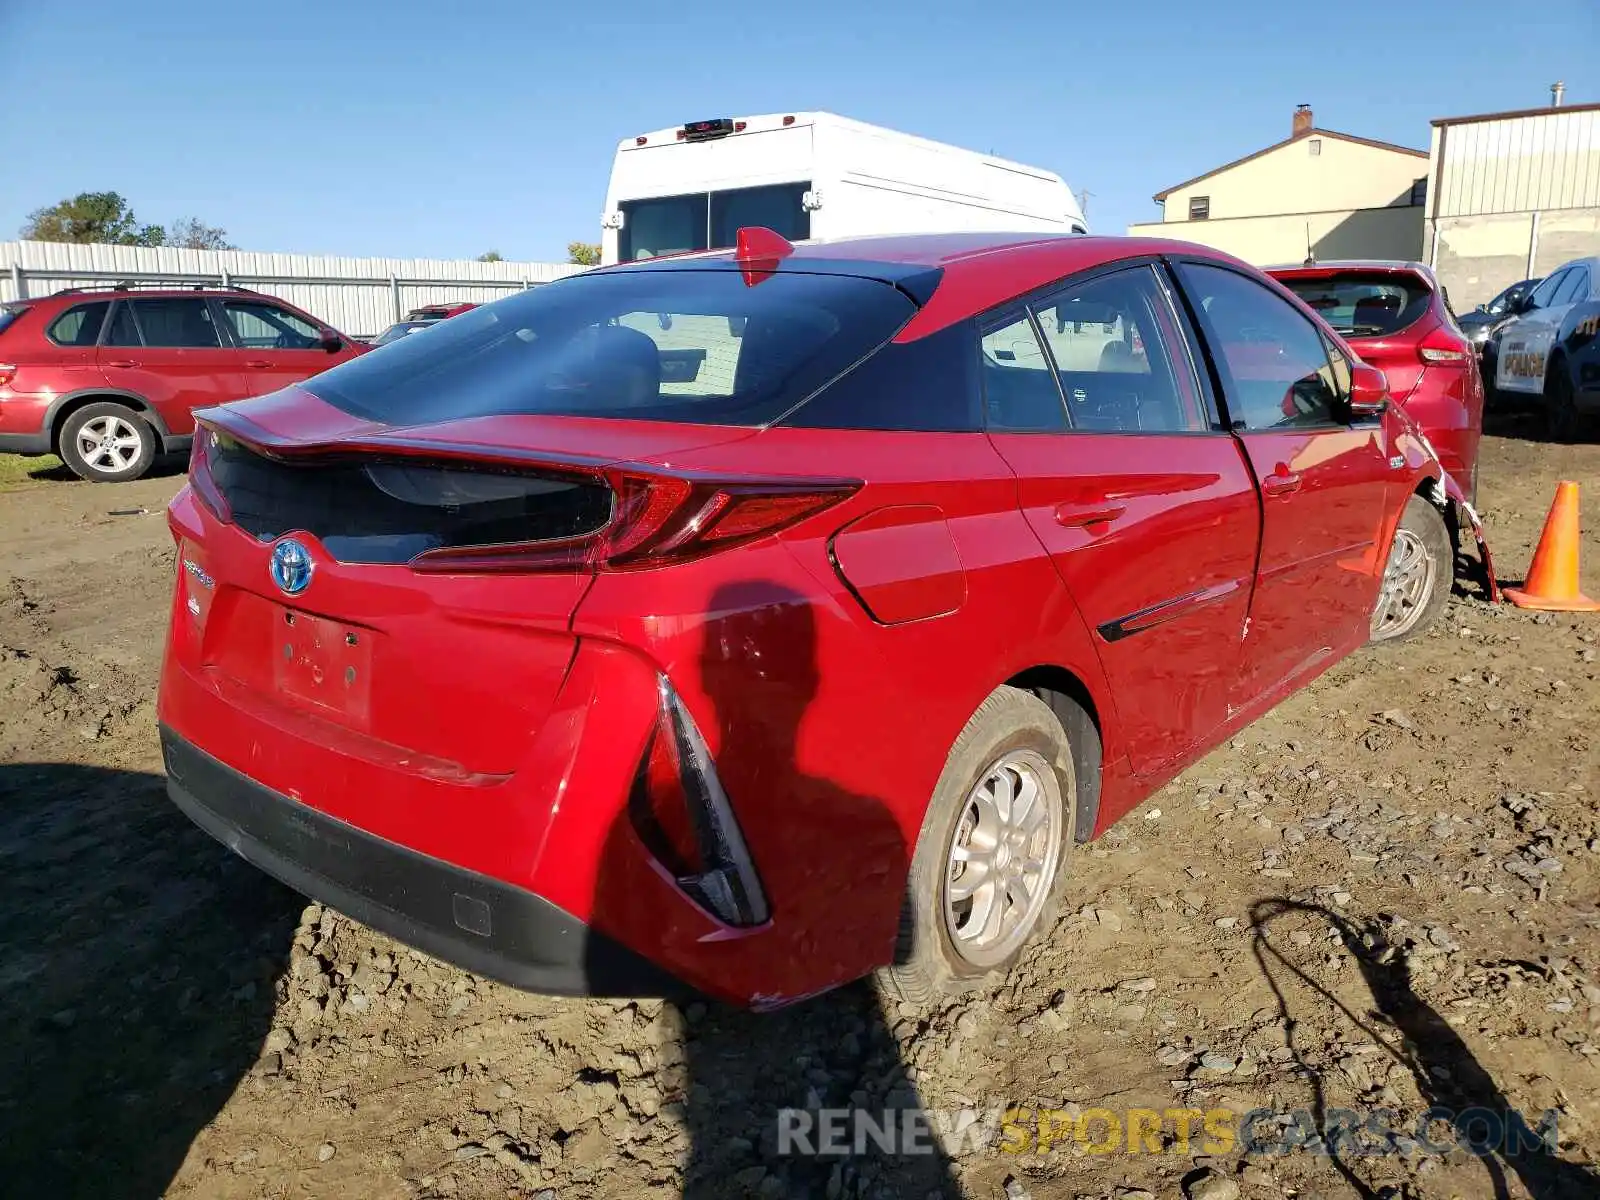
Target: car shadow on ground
138	962
1466	1109
828	1068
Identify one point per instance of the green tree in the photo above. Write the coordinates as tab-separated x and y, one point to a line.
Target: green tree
490	256
191	233
92	217
585	254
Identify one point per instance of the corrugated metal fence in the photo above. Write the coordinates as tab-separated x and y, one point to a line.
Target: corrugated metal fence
359	296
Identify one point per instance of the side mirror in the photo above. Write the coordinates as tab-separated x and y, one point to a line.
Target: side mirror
331	342
1521	304
1369	392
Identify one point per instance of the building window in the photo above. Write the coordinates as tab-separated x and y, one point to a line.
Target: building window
1315	146
1419	191
1199	208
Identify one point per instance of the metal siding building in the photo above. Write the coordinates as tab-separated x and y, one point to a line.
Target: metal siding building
358	296
1512	195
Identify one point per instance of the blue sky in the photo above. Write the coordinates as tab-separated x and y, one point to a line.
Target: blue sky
422	128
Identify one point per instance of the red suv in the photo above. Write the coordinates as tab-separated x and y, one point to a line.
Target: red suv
747	621
108	377
1395	316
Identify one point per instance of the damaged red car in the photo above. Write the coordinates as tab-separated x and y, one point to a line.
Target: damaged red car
745	623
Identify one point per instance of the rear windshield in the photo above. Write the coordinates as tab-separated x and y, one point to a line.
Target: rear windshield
1366	304
683	345
9	313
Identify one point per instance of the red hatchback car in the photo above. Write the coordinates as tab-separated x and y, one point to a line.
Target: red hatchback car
1395	316
108	377
746	622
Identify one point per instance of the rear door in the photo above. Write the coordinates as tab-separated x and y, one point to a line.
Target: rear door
169	350
272	346
1144	503
1323	481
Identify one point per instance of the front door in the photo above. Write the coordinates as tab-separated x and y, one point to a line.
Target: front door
1324	481
1144	503
274	347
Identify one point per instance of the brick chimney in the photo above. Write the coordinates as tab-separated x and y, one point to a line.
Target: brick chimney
1302	121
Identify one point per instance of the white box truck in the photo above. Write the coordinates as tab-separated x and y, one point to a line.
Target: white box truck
814	175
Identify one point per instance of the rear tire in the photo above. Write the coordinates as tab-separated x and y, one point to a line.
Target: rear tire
107	443
1417	576
983	848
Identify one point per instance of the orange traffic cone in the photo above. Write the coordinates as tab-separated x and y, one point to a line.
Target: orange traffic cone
1552	582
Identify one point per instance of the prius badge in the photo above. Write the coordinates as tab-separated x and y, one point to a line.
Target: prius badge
291	566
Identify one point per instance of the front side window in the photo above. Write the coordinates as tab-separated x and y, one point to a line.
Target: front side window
170	322
1111	339
669	345
80	325
260	326
1278	373
1575	288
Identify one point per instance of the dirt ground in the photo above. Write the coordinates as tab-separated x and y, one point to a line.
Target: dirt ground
1382	895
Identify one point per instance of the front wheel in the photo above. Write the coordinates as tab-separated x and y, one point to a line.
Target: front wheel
107	443
988	867
1417	577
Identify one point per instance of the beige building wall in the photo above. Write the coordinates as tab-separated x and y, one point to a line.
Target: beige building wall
1336	196
1342	177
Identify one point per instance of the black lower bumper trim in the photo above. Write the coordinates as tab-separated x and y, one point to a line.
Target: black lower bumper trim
483	925
24	443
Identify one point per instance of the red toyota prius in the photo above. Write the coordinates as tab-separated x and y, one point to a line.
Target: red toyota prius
745	623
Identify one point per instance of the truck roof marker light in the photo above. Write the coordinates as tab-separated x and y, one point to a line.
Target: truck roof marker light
758	250
640	140
738	126
788	120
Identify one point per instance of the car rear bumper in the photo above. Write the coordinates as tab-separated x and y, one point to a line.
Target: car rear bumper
483	925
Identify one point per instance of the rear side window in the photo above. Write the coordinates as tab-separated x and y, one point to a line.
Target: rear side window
699	346
1364	304
80	325
124	329
1019	391
169	322
1112	340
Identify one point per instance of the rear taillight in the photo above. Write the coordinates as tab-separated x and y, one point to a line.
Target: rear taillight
1443	346
201	479
8	372
656	520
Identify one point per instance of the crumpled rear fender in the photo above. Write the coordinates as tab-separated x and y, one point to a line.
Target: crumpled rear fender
1467	518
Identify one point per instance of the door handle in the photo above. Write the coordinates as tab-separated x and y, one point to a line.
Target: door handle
121	362
259	364
1076	516
1282	482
